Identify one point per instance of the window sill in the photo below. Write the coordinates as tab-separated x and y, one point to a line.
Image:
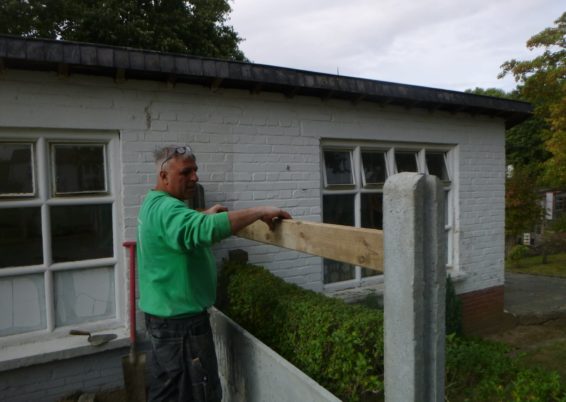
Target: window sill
354	290
456	276
28	354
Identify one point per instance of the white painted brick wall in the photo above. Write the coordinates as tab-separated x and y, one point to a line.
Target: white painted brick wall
53	381
253	150
265	149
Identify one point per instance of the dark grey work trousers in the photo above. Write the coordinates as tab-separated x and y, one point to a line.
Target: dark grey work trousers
182	363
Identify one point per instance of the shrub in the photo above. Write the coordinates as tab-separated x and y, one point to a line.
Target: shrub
478	370
559	224
552	242
338	345
517	253
341	346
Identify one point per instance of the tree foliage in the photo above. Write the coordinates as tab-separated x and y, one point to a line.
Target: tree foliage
542	81
525	143
494	92
522	204
197	27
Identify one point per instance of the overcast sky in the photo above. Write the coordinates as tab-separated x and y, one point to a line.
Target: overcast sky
450	44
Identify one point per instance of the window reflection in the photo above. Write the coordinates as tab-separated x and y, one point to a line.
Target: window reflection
436	165
84	295
338	167
20	237
16	169
375	171
339	210
372	211
406	162
81	232
372	218
79	168
23	304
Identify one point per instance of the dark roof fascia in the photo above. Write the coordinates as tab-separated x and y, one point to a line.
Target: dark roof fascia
86	58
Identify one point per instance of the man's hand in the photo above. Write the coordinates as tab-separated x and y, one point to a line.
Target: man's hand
244	217
272	215
215	209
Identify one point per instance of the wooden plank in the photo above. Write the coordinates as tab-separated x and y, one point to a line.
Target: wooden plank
363	247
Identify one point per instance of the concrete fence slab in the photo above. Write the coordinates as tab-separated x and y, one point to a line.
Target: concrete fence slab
252	372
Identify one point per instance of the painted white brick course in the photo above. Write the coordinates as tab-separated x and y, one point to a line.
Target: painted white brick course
265	149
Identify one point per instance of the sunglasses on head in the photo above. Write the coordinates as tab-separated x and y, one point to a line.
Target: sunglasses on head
172	152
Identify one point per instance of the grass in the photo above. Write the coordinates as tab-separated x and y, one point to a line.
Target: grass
541	345
551	356
556	265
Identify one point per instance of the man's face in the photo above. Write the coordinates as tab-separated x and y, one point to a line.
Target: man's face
180	178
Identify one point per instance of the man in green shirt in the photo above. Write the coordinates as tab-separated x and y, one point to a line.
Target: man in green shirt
177	276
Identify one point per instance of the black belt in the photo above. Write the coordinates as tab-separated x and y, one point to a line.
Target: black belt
178	317
195	324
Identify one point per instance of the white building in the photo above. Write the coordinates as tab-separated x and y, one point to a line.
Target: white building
79	123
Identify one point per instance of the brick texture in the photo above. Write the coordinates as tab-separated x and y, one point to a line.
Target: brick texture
257	149
482	310
55	380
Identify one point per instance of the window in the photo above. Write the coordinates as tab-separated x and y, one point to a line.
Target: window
560	205
338	168
354	175
16	170
57	243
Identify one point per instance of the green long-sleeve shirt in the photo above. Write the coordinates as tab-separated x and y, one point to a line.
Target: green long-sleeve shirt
177	270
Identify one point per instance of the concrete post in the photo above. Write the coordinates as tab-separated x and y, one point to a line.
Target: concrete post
414	295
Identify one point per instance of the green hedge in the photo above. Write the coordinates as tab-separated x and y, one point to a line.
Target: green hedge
479	370
338	345
341	345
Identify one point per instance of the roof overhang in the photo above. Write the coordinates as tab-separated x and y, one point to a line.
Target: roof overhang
127	63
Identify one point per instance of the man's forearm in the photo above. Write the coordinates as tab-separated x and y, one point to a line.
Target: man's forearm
244	217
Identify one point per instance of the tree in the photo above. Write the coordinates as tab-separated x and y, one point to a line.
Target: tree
522	205
494	92
524	143
196	27
542	81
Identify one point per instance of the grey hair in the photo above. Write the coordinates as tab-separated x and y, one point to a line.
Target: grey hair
164	154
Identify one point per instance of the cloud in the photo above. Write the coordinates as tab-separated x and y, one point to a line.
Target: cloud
452	44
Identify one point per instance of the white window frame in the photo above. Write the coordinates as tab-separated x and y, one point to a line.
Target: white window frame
359	188
44	198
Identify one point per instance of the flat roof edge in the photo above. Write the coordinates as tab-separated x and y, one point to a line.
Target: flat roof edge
86	58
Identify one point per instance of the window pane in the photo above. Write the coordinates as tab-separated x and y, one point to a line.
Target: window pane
338	209
79	168
16	169
335	271
374	167
406	162
84	295
372	218
20	237
338	167
447	207
81	232
437	166
372	211
366	272
23	304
